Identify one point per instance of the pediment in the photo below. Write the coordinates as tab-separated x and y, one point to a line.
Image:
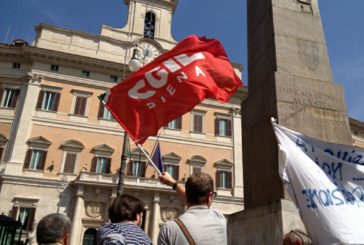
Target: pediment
197	160
171	158
223	164
103	150
72	145
39	142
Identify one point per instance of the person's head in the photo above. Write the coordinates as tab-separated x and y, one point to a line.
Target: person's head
126	208
296	237
199	189
53	228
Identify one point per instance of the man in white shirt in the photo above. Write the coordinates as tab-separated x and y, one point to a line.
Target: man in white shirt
204	226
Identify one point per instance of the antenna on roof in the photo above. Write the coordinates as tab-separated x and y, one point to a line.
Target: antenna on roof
7	33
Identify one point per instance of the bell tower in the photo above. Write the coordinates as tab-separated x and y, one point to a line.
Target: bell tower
149	19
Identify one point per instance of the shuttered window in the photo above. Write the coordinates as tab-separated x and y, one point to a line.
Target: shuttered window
136	168
80	106
9	97
173	170
104	113
48	101
101	165
223	179
175	124
223	127
24	215
198	122
35	159
69	163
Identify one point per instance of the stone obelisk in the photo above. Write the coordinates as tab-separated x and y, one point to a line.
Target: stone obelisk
289	79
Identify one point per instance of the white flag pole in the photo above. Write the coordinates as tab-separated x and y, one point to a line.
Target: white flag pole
150	160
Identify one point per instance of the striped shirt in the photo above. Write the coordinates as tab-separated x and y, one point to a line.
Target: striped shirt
122	234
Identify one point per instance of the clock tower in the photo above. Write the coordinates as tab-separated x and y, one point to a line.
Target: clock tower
148	25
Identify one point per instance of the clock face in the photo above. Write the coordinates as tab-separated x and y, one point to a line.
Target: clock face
148	52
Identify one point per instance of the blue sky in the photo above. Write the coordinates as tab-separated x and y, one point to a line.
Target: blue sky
225	20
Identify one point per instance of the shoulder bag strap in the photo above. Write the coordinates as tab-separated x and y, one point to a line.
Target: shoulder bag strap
185	231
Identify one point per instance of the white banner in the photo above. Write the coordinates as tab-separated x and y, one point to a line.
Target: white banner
326	182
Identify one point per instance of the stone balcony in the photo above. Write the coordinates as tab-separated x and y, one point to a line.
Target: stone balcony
108	179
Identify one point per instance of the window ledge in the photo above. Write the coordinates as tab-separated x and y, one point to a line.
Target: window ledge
75	115
197	135
46	111
224	192
107	120
33	172
48	114
77	118
223	139
172	131
7	108
108	123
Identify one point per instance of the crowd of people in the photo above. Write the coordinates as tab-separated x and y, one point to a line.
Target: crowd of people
199	224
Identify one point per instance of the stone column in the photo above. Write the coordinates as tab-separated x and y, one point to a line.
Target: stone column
22	124
75	237
289	79
147	220
156	215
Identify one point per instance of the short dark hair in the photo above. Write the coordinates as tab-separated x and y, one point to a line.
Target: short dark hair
125	208
198	186
52	228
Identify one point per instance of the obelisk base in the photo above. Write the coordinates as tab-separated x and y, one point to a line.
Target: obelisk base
265	224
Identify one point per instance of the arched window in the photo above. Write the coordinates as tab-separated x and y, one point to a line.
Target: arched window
149	25
89	237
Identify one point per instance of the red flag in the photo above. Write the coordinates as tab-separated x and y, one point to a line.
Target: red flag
171	85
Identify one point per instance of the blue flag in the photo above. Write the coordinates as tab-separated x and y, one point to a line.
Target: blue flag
157	157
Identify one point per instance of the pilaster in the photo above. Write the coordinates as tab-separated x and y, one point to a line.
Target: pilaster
22	124
238	190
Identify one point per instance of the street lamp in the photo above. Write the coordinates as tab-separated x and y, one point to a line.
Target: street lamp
62	184
134	65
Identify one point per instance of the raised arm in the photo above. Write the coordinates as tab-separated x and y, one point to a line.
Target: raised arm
167	179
